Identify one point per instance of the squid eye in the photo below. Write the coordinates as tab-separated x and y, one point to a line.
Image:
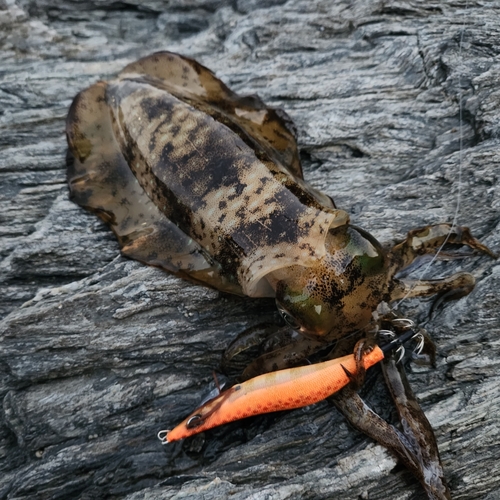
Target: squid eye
290	320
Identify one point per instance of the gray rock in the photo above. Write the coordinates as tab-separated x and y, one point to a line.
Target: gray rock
98	353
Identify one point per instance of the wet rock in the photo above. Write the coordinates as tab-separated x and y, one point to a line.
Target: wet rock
98	353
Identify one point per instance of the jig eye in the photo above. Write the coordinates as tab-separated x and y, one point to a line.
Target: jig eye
289	319
194	421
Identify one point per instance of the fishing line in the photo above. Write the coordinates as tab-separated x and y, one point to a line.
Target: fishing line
460	167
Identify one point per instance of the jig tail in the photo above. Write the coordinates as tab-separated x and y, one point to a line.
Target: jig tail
281	390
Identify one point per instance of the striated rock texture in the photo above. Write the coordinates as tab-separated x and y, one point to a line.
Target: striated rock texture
98	353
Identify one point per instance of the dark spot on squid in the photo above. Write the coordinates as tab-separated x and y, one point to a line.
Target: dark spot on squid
241	213
239	188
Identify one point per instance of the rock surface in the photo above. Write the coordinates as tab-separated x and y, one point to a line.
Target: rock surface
98	353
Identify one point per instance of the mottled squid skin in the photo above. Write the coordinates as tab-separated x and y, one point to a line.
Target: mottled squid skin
208	185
